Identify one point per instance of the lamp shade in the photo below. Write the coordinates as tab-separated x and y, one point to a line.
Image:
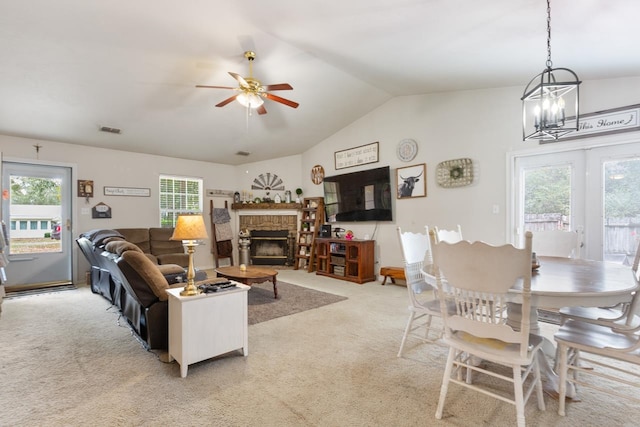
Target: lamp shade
190	227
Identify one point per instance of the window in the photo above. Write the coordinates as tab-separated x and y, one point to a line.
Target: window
23	225
178	195
44	225
33	225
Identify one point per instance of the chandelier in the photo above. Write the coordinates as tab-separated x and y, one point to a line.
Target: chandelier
550	101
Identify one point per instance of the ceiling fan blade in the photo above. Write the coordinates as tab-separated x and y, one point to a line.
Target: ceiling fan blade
216	87
240	79
226	101
281	100
279	86
261	110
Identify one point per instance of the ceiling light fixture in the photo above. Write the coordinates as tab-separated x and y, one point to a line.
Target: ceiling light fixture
250	100
550	107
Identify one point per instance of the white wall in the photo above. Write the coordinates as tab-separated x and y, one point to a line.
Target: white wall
484	125
124	169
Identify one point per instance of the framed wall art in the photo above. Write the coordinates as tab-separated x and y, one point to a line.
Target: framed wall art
606	122
412	181
356	156
127	191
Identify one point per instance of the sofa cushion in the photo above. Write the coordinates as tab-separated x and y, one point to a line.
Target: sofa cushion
121	246
111	239
170	269
159	240
137	236
180	259
149	272
98	236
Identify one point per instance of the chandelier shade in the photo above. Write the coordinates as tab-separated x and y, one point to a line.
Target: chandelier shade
551	100
550	105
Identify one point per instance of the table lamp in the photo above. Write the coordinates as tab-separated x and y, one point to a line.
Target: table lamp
190	228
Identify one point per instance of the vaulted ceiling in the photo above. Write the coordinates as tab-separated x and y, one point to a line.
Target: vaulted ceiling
70	67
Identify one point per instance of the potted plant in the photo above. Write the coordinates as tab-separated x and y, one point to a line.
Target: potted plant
298	194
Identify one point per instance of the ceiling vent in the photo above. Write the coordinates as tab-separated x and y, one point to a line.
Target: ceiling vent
110	130
243	153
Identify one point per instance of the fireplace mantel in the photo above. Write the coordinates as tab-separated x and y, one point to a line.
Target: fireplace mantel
267	206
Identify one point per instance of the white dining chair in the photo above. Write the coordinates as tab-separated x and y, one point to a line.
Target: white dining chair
478	279
613	371
622	316
423	304
558	243
451	236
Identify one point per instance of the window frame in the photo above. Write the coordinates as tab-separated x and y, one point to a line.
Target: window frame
181	199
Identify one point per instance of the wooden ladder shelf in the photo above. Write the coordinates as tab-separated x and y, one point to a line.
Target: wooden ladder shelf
310	225
221	249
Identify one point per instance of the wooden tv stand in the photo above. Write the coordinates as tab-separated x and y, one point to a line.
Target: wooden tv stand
351	260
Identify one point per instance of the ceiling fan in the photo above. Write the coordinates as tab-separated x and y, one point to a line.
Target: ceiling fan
252	92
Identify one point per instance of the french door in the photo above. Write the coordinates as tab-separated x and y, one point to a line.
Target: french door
36	209
595	191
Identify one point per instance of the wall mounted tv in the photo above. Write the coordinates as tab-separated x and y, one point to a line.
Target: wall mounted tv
358	196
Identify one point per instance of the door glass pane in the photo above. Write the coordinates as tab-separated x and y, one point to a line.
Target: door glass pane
547	198
34	201
621	210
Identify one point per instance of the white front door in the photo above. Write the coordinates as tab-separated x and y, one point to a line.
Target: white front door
36	208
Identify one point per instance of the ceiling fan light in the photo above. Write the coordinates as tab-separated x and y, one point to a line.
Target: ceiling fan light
250	100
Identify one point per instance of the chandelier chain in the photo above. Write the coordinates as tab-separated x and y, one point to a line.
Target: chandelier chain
549	63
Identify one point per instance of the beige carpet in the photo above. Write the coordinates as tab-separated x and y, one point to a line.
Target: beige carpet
64	360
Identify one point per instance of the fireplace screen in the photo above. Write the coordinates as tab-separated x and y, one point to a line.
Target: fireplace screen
269	247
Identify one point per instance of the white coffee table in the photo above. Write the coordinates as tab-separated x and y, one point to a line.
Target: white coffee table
207	325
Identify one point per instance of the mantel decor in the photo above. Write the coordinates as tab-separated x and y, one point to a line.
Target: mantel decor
127	191
271	206
607	122
357	156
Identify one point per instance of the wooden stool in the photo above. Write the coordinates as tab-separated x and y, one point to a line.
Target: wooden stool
393	273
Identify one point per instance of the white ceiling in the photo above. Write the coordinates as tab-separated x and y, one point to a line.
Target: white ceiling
72	66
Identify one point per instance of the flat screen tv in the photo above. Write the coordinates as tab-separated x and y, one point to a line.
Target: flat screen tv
358	196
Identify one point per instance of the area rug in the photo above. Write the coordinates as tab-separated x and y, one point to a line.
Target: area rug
291	299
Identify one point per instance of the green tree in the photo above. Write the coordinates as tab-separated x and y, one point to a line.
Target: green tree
26	190
622	189
548	190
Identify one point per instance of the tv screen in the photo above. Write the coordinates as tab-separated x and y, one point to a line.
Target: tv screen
358	196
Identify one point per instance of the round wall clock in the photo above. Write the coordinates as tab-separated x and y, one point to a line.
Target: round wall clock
317	174
454	173
407	150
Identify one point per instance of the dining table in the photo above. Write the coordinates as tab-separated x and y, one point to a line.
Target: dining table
572	282
558	282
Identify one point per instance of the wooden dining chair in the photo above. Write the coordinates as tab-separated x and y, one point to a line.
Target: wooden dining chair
423	305
614	370
478	279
